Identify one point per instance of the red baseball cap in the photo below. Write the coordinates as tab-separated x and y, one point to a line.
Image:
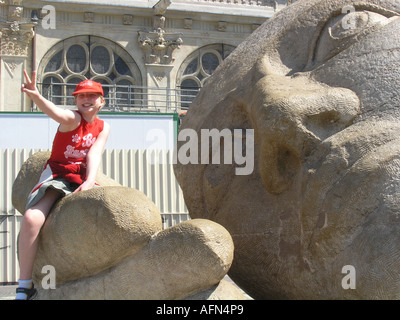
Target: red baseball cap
88	86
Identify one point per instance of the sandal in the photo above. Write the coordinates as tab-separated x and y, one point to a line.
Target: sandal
30	293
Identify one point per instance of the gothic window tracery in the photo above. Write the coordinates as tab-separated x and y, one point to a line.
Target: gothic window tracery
89	57
196	69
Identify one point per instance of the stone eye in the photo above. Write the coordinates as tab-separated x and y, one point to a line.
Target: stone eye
343	30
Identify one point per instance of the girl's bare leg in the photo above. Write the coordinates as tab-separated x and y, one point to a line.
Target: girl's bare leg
32	222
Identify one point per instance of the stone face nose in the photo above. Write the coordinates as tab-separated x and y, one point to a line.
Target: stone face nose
294	115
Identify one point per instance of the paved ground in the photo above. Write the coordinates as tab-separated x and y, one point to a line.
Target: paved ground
8	292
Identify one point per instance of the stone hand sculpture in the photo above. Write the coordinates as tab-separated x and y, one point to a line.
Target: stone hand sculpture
319	217
108	243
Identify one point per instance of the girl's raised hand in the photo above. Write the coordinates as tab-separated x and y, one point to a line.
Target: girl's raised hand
66	118
30	86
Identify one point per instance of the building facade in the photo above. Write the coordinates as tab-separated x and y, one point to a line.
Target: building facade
150	55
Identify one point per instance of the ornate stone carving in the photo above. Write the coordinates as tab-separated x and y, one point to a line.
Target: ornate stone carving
15	2
11	66
127	19
221	26
157	44
187	23
15	33
15	13
15	39
88	17
159	75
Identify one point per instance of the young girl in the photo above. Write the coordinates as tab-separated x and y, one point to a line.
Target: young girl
72	166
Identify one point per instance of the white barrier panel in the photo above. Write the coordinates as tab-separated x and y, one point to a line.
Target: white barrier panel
128	131
9	229
137	169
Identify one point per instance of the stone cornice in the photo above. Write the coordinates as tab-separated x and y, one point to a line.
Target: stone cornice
250	8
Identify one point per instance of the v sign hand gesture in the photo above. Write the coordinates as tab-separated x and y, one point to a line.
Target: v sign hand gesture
64	117
30	86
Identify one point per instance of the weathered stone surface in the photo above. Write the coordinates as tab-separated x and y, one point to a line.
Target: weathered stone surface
182	260
323	100
108	243
90	231
222	291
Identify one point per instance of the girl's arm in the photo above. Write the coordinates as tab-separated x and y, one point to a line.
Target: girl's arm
93	159
64	117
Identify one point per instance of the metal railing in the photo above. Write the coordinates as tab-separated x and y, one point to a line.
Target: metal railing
126	98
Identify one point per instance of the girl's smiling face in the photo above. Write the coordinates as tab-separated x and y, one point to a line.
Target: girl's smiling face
89	101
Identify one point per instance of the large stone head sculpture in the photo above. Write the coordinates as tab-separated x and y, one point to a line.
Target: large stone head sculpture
319	215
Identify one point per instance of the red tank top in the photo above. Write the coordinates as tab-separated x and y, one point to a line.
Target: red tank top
72	147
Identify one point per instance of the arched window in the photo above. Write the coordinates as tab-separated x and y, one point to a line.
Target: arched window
89	57
197	67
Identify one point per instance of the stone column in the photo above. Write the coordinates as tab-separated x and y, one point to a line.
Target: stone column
15	38
158	46
159	87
